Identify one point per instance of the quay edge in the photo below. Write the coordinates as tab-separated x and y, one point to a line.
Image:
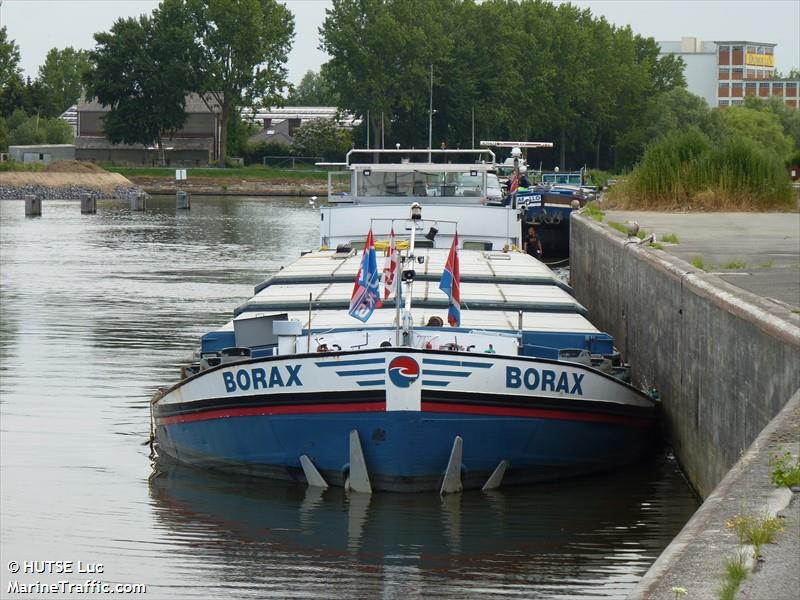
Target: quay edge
725	363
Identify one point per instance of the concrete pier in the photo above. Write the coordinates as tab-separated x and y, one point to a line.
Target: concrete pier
183	200
88	204
33	206
138	201
724	360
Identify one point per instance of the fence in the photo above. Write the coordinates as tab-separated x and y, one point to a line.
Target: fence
289	161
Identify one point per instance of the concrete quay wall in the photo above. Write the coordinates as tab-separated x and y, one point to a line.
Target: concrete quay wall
724	361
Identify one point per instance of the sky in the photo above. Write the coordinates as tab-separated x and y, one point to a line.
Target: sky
38	25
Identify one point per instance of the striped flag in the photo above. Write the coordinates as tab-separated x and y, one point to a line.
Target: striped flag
450	284
389	276
366	295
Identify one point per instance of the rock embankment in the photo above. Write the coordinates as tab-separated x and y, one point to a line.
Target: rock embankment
15	185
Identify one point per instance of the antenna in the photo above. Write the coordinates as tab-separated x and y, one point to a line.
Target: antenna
430	118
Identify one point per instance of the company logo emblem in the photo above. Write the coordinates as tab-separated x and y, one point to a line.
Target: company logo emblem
403	371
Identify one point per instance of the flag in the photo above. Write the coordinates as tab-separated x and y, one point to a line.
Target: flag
450	284
366	296
513	183
389	276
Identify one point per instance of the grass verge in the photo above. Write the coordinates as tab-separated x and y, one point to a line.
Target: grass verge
254	172
755	531
592	211
697	263
785	471
670	238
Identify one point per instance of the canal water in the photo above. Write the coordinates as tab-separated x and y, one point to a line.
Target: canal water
97	311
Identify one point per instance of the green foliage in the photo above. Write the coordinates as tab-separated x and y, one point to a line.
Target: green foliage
238	134
255	153
785	471
313	90
683	169
734	264
698	263
735	574
762	127
321	137
670	238
139	69
242	47
789	117
13	165
60	77
592	211
525	70
755	531
24	130
9	57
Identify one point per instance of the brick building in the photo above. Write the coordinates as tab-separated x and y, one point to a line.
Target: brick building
726	72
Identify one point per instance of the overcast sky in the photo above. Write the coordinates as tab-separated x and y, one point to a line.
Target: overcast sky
38	25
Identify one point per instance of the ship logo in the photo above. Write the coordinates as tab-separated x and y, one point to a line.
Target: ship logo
403	371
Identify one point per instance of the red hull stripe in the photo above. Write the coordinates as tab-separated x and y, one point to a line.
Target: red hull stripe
256	411
536	413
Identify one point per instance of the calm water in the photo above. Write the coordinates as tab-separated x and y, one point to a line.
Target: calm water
98	311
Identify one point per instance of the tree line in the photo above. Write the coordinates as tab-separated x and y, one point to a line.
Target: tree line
501	69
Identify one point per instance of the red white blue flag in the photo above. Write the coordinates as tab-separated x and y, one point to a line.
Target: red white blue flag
389	276
450	284
366	295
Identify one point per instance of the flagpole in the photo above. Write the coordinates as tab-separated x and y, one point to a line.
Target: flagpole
397	296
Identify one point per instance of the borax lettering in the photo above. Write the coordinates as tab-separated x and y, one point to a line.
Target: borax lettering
262	379
544	380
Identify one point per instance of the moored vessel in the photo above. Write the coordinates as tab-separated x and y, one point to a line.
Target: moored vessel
461	363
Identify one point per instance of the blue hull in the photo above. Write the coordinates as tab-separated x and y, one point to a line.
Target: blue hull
406	450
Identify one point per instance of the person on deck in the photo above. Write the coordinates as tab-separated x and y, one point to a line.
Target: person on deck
532	244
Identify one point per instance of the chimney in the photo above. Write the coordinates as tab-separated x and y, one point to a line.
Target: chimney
267	123
293	124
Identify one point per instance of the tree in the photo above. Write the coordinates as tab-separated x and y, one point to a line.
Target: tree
61	76
321	137
34	129
9	57
788	117
139	69
761	127
242	50
381	53
313	90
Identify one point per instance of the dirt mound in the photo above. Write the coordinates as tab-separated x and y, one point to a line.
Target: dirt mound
73	166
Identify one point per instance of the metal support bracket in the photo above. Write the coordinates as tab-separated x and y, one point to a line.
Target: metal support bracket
496	478
313	477
358	481
452	476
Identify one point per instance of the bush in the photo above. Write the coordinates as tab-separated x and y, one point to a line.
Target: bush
682	169
253	154
323	138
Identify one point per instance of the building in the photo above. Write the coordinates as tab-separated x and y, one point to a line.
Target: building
42	153
726	72
195	144
279	124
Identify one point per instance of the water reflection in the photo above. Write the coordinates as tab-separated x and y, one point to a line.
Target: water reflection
590	538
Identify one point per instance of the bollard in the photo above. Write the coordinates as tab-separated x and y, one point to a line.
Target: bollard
183	200
138	201
33	206
88	204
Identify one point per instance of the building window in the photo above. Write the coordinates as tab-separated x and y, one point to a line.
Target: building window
738	102
763	89
791	88
768	50
724	74
750	73
792	103
750	88
723	91
777	88
737	73
724	55
724	102
737	90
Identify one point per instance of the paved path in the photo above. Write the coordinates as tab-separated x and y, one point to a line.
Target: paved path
759	252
